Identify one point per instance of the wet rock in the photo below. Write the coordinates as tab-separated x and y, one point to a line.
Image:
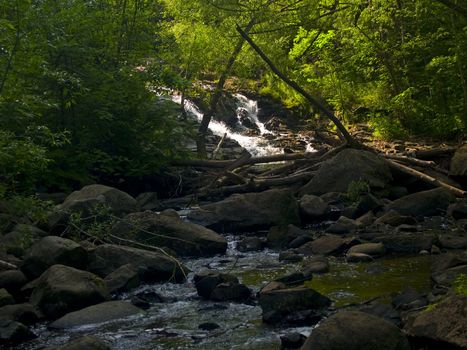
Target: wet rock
393	218
282	236
185	238
278	302
316	265
88	198
123	279
458	210
312	207
290	256
53	250
343	225
365	220
327	245
208	326
21	238
250	244
358	257
299	241
24	313
409	299
347	167
406	242
425	203
207	280
294	279
353	330
230	291
12	280
62	289
440	327
104	312
452	242
445	268
14	333
292	341
458	165
372	249
249	211
87	342
383	311
5	298
148	201
170	212
152	266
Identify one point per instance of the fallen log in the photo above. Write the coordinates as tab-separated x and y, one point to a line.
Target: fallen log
219	164
434	153
426	178
7	265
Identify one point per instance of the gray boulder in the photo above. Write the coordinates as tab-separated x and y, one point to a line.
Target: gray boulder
327	245
123	279
354	330
349	166
12	280
104	312
458	165
249	211
282	236
405	242
185	238
53	250
441	327
62	289
21	238
5	298
13	333
86	342
207	280
312	207
23	313
372	249
343	225
152	266
425	203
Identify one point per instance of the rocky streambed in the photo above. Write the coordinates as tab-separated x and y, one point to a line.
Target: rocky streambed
328	265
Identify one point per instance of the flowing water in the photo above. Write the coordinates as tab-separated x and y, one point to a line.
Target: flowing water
174	324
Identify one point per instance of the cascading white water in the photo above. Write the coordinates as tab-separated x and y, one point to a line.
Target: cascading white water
257	145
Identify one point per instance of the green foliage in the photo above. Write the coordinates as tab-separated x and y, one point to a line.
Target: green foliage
30	208
356	190
93	226
460	284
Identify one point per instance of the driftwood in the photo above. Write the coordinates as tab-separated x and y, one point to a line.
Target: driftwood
7	265
219	145
426	178
434	153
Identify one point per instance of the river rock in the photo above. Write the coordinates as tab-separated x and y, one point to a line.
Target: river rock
104	312
149	201
230	291
425	203
445	268
88	198
152	266
185	238
53	250
394	218
312	207
207	280
278	302
458	165
384	311
319	264
409	299
292	341
327	245
452	241
343	225
12	280
290	256
372	249
358	257
347	167
87	342
5	298
458	210
62	289
123	279
405	242
250	244
294	279
24	313
21	238
441	327
249	211
13	333
282	236
354	330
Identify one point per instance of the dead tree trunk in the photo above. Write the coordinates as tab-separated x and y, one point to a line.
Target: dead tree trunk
312	100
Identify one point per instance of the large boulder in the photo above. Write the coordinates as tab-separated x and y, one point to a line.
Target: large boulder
104	312
5	298
62	289
249	211
207	280
53	250
327	245
459	162
442	326
13	333
12	280
425	203
312	207
91	197
152	266
21	238
24	313
185	238
354	330
347	167
405	242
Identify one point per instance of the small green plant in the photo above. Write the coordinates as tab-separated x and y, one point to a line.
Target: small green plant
94	225
460	284
356	190
27	208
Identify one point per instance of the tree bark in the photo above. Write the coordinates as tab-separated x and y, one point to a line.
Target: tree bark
312	100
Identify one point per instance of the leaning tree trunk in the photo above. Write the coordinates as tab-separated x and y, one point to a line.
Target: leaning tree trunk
312	100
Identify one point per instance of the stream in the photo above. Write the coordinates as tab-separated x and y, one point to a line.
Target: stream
173	324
